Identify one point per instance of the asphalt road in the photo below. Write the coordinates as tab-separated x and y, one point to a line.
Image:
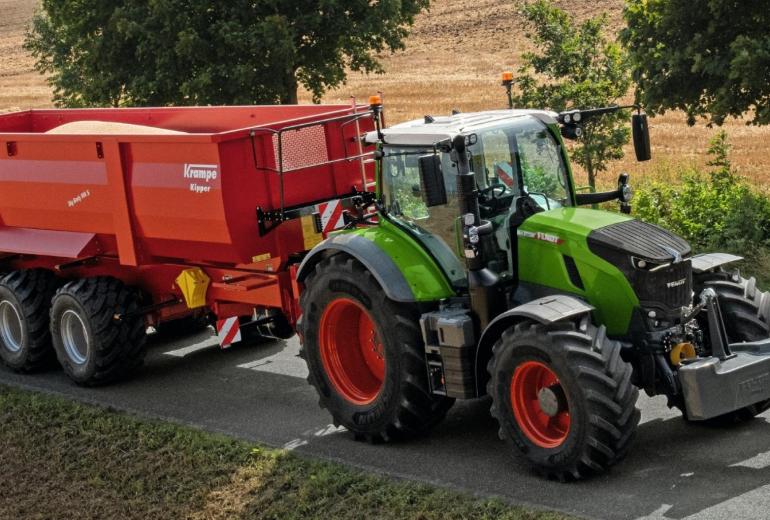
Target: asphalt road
259	392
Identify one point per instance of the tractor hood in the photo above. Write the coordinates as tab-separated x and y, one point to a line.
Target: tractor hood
575	222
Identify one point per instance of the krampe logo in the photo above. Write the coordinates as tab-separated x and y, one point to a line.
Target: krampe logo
204	172
201	172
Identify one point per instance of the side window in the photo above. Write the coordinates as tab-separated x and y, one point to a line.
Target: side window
405	181
499	165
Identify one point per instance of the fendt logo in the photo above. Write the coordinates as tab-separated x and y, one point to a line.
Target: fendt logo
202	172
677	283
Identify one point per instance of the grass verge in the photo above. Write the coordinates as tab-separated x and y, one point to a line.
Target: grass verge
66	460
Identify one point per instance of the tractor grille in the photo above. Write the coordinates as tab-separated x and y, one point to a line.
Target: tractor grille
622	244
670	287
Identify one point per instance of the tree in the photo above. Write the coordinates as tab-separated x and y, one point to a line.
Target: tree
710	58
576	66
188	52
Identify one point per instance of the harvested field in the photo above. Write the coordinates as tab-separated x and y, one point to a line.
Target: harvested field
453	60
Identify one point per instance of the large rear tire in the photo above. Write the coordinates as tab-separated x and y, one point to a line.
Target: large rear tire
563	397
746	314
93	344
25	300
365	354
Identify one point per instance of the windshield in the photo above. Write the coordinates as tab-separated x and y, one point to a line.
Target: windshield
511	159
515	158
521	158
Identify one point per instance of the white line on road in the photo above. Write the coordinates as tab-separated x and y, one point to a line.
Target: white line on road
286	362
760	461
182	352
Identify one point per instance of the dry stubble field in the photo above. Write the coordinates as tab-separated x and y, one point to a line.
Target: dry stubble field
453	60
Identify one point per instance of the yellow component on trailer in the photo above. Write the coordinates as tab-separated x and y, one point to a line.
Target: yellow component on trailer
193	283
310	236
681	352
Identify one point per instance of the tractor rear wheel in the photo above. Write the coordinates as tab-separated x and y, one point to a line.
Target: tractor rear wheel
25	299
97	338
746	313
563	397
365	354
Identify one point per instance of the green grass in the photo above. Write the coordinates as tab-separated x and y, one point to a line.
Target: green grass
66	460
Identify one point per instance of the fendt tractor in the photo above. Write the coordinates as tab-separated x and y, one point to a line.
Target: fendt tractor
446	258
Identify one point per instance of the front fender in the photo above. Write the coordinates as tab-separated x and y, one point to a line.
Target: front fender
546	310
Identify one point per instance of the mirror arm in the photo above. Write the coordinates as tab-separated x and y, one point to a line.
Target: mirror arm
584	199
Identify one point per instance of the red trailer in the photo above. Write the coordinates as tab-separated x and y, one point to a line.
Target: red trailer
174	216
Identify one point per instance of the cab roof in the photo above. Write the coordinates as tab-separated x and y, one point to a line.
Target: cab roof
427	132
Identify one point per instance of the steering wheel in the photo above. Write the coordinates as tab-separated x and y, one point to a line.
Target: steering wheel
495	191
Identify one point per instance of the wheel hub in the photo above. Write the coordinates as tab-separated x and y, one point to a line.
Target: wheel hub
540	405
351	351
10	326
551	400
74	336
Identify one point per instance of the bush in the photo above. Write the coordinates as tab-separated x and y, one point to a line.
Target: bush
714	209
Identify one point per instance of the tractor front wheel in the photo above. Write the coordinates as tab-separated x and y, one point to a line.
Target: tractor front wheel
365	354
563	397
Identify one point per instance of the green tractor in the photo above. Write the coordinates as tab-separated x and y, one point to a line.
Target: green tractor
479	273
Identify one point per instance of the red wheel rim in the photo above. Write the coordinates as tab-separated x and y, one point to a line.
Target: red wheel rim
351	351
539	405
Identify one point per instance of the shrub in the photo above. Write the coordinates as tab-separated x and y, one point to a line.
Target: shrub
714	209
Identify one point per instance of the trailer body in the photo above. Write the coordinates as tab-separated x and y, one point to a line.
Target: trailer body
207	199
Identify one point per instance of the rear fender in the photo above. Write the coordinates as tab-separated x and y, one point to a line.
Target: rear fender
372	257
402	267
546	310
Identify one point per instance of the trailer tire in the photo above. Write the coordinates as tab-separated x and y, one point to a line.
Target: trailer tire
746	312
25	338
376	387
94	347
563	397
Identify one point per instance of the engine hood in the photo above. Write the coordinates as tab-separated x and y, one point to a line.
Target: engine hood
641	240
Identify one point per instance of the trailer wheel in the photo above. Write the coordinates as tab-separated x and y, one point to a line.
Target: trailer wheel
94	345
25	300
563	397
746	313
365	354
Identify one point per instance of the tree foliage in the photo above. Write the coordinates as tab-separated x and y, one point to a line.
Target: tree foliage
576	66
710	58
188	52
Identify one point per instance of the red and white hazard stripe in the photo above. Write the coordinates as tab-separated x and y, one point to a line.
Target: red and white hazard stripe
228	331
332	217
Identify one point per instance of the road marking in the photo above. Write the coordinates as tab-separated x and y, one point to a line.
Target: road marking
760	461
285	362
182	352
329	429
293	445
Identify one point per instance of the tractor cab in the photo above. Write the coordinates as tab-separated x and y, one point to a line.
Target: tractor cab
519	169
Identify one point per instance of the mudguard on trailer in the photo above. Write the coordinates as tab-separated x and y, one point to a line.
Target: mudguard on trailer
546	310
382	267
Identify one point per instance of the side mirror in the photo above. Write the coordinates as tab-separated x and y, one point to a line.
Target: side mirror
432	181
641	133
